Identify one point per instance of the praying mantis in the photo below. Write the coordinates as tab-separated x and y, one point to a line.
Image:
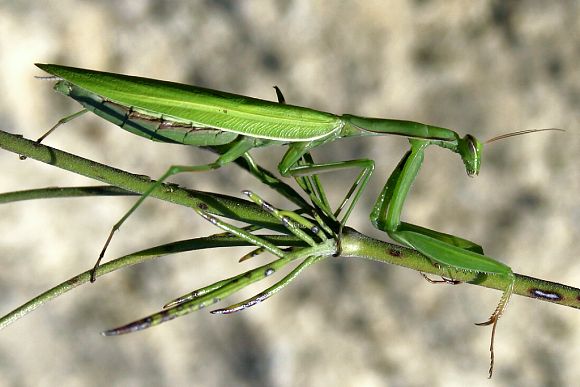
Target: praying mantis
176	113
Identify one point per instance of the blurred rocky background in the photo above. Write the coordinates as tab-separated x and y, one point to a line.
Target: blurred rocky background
483	68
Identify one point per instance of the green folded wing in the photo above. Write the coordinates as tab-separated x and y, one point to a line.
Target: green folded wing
453	256
204	107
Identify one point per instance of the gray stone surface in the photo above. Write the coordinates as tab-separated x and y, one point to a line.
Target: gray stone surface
480	67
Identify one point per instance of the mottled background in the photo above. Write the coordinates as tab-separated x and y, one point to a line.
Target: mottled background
482	67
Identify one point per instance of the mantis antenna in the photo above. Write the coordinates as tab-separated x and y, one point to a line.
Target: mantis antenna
520	132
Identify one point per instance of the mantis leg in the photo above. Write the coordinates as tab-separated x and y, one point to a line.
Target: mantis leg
247	162
289	166
457	253
311	183
59	123
384	203
313	187
239	149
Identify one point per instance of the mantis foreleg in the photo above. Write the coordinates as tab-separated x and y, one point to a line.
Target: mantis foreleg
441	248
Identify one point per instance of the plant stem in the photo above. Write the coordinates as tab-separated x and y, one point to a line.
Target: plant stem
63	192
218	240
353	243
356	245
221	205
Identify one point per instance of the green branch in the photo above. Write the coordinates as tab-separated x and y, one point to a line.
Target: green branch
217	204
214	241
356	245
63	192
353	244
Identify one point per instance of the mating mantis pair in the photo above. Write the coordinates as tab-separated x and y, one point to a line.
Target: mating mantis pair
177	113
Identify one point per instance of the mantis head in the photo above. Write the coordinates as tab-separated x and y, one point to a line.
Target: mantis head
470	149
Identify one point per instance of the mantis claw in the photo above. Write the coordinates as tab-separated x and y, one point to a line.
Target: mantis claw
443	280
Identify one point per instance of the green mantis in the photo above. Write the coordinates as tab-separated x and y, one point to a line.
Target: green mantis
177	113
189	115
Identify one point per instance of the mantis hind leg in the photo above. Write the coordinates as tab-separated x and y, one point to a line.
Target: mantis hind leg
454	252
60	122
240	148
